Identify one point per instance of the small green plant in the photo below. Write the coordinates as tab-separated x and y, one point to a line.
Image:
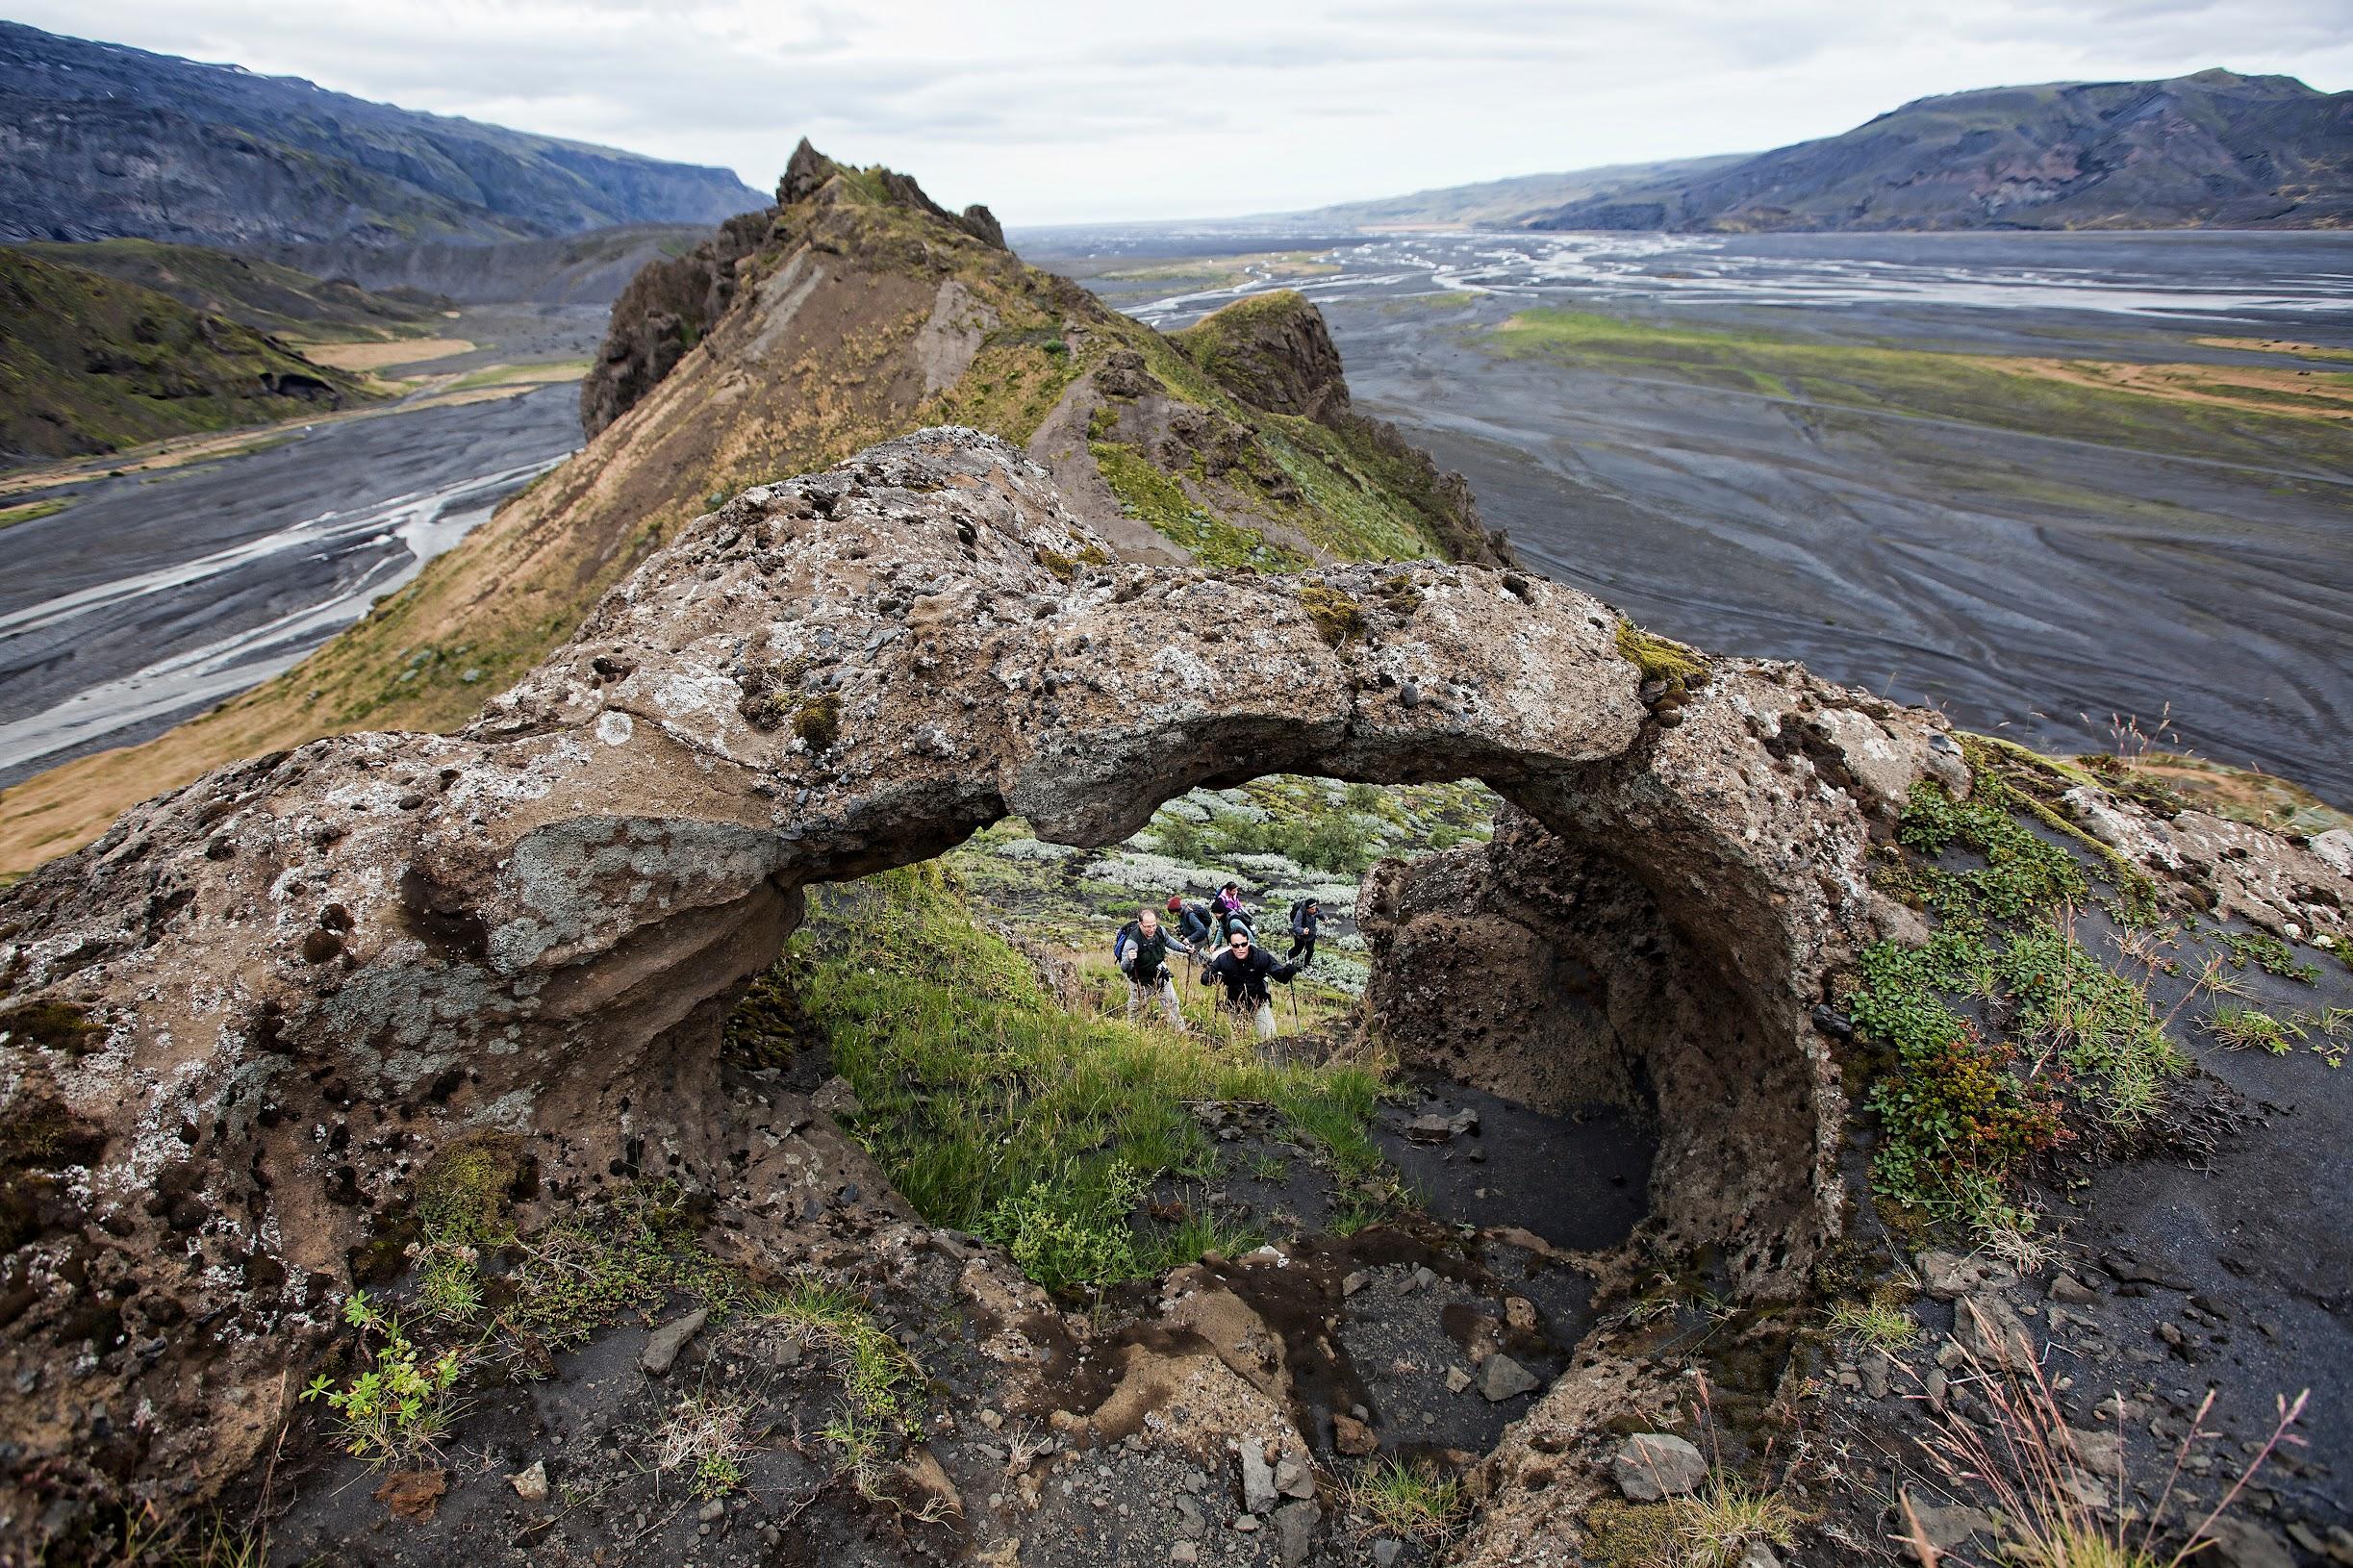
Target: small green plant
2267	954
2244	1028
881	1382
1955	1123
399	1407
1411	1501
1071	1230
1201	1231
707	1438
2023	871
1180	838
1877	1324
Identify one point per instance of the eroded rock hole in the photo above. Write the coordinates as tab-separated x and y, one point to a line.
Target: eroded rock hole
1502	1083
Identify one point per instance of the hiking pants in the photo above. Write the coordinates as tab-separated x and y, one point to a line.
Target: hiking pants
1139	1000
1302	942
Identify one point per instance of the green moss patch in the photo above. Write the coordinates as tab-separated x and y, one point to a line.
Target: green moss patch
1339	619
1659	658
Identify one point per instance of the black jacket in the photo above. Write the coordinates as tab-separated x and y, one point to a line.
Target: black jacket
1247	978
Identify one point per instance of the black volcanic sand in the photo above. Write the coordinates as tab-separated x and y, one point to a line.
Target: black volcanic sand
2042	584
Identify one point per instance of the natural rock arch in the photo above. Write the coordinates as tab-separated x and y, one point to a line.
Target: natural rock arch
259	1003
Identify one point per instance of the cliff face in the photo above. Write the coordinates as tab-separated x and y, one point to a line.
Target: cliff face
97	141
854	310
2210	150
88	363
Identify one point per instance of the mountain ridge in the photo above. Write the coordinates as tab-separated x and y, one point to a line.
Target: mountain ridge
852	310
90	363
2211	149
101	141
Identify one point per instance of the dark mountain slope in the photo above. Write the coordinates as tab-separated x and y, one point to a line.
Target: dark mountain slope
2210	150
88	363
246	289
99	141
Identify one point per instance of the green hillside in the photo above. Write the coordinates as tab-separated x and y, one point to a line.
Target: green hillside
90	364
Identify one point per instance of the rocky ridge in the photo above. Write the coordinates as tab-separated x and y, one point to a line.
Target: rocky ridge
262	1008
856	311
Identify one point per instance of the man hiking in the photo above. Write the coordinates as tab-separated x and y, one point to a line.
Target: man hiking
1307	916
1245	970
1141	949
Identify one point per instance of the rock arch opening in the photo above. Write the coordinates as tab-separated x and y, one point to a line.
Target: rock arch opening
291	983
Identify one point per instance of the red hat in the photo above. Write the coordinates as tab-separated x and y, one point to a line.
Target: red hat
1176	905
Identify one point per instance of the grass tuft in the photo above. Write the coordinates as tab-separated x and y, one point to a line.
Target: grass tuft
1874	1323
1413	1501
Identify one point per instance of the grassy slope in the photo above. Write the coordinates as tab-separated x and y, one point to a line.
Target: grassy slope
997	1112
91	363
1973	388
841	377
259	294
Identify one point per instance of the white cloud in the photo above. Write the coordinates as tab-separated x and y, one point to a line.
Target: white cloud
1053	110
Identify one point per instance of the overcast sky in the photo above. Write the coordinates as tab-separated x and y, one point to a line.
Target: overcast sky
1055	111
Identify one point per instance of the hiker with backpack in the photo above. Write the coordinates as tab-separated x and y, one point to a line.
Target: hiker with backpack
1231	912
1141	949
1307	916
1194	920
1244	969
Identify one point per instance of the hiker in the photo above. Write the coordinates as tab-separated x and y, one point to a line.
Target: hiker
1146	965
1244	969
1194	920
1307	916
1233	912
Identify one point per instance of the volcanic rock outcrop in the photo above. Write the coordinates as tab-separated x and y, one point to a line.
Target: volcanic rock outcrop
246	1017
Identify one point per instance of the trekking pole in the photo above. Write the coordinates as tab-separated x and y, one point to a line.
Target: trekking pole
1295	1023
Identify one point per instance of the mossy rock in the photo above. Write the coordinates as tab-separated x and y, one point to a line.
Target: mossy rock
1661	658
465	1194
52	1025
818	723
1337	617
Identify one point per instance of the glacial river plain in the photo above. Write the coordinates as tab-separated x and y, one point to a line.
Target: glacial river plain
2060	485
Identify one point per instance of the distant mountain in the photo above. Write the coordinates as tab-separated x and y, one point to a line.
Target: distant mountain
253	293
2212	150
1500	203
102	141
90	364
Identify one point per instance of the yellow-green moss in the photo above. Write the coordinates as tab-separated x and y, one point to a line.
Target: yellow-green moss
1658	658
1337	617
818	723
